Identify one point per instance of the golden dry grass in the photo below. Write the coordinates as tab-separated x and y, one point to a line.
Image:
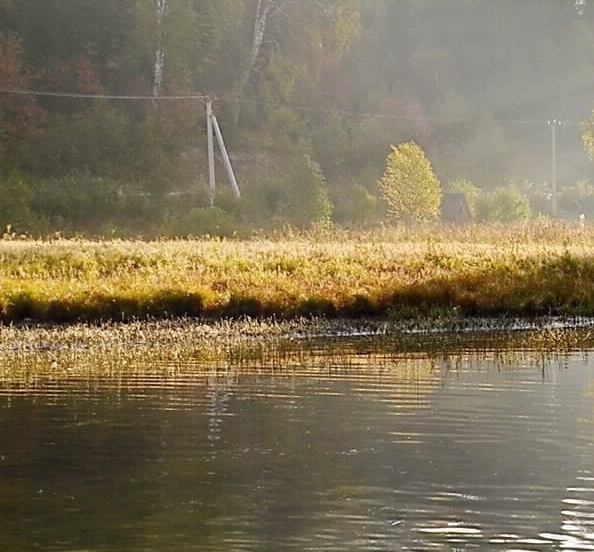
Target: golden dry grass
526	270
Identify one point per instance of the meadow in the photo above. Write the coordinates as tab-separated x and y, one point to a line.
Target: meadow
532	270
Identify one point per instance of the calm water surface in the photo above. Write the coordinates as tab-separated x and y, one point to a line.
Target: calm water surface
459	451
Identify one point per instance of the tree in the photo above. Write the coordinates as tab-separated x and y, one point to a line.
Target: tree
409	185
577	199
15	207
503	205
56	31
263	8
164	33
161	6
20	116
312	36
306	200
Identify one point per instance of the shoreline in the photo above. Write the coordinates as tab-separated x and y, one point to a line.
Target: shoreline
196	340
41	358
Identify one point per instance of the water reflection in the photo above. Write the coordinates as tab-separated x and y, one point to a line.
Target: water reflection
362	450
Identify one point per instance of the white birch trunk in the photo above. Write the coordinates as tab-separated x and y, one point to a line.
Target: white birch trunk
262	10
159	65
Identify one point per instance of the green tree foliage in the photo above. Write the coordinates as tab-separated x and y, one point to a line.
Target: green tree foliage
578	199
409	185
184	33
305	201
307	41
83	201
54	31
503	205
96	140
357	206
21	118
201	221
15	204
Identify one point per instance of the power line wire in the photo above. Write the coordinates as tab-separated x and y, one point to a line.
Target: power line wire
202	97
426	118
23	92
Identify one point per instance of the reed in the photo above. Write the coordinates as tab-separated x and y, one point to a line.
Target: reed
34	357
541	269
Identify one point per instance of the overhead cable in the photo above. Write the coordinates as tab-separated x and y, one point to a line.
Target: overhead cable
23	92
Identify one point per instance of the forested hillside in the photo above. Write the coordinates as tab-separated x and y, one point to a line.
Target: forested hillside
103	122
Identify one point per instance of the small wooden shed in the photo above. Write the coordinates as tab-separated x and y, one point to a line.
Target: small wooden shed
454	209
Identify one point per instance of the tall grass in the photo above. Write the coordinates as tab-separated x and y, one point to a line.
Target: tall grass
522	270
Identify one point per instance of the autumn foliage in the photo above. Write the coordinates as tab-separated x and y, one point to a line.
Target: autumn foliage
409	185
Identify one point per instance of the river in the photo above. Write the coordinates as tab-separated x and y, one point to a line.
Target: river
469	449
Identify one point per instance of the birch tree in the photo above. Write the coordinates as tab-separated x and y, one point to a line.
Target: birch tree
263	8
159	64
173	42
310	35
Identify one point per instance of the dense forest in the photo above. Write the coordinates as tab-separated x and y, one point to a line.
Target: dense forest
103	126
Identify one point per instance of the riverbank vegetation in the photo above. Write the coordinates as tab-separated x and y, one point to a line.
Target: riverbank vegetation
32	356
401	273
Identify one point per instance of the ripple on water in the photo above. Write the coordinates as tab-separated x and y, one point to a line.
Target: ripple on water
403	453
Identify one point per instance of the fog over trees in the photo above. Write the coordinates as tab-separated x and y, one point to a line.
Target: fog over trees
311	96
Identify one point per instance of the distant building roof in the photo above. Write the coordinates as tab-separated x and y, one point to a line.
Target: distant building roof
454	208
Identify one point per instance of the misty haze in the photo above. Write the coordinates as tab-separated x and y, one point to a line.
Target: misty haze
105	127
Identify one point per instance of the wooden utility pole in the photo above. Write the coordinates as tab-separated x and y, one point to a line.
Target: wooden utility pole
214	130
211	166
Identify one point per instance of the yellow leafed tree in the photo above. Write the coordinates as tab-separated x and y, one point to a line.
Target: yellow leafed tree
409	185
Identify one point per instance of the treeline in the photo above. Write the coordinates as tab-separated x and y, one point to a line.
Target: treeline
310	94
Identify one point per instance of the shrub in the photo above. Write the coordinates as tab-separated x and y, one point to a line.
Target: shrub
201	221
355	204
16	211
503	205
305	202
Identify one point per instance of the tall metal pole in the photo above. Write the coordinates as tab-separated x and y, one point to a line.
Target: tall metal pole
211	163
554	123
554	165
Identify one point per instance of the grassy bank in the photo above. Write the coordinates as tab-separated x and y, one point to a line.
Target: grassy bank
535	270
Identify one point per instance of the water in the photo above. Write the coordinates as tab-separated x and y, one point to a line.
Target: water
461	451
